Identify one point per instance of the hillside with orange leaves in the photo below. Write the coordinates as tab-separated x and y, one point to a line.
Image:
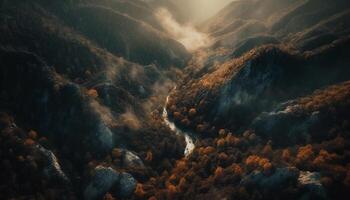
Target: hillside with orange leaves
100	99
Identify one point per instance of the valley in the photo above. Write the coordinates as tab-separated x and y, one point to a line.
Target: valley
153	99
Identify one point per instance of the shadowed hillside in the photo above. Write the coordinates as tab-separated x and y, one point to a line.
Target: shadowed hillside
86	86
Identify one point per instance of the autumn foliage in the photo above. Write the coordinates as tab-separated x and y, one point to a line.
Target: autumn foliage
139	192
92	93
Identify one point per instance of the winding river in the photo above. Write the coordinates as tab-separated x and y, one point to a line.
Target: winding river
189	140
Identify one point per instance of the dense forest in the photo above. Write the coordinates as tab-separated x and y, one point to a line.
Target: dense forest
152	99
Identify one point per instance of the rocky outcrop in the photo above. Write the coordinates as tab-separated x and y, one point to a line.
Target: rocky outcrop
107	179
131	160
305	119
295	127
308	182
27	167
102	181
53	168
126	185
311	181
279	179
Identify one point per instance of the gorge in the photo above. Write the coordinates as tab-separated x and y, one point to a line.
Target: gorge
174	99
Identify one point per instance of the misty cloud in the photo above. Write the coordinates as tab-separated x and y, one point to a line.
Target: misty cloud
106	120
185	34
103	112
130	119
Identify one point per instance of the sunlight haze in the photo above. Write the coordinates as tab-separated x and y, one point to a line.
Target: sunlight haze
200	10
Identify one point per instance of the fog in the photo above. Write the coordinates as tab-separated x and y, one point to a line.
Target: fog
185	34
196	11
